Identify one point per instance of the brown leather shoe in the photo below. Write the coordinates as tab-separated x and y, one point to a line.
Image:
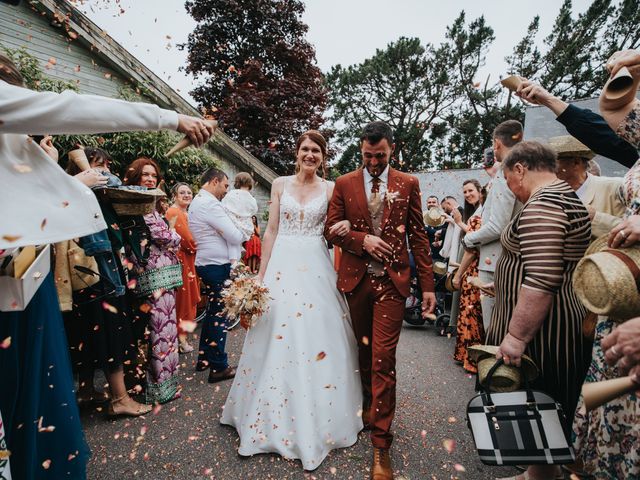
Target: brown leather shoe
381	468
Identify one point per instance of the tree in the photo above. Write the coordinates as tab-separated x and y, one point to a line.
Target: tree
406	85
259	73
481	105
571	63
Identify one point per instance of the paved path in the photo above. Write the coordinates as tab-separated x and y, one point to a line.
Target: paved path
184	440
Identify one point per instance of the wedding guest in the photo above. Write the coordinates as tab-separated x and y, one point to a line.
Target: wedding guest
188	295
435	234
469	323
451	249
99	337
537	311
498	210
607	439
253	247
31	388
218	239
601	195
241	206
160	267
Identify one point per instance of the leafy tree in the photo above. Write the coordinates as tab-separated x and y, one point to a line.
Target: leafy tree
259	73
406	85
571	62
481	105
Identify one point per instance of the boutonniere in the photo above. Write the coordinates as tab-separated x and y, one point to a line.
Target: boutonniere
391	197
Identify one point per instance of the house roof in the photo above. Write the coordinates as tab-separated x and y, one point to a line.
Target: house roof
123	62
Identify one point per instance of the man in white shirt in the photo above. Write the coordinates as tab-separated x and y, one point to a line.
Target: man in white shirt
216	235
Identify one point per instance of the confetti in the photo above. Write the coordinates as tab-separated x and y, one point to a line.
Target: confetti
449	445
459	468
6	343
43	223
188	326
320	356
22	168
46	464
109	307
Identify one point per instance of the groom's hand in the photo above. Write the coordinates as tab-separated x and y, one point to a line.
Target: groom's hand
428	303
376	247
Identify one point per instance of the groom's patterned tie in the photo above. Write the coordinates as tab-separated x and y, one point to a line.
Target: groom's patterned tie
376	209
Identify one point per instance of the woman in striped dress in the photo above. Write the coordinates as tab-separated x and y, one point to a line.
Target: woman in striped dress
536	310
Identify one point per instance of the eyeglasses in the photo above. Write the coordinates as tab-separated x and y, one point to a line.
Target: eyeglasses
377	156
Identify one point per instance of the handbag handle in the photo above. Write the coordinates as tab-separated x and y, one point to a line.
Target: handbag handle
531	399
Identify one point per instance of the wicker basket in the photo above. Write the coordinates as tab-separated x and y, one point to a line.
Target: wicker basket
127	202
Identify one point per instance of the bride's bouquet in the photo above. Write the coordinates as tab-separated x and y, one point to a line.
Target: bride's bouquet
243	297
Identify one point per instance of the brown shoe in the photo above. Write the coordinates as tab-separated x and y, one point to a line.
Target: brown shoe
381	468
225	374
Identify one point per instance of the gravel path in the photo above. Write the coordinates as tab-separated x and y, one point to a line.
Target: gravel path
183	439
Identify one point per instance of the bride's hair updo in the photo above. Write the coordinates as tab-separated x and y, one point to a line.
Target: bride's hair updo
317	138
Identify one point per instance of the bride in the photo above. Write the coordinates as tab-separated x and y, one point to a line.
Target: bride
297	389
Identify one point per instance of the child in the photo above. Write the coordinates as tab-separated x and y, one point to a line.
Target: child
241	206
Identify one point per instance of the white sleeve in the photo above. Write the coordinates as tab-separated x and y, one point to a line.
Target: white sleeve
217	218
29	112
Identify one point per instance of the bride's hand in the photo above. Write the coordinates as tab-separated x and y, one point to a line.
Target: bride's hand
341	228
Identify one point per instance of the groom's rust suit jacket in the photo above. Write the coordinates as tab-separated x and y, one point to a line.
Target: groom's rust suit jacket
402	219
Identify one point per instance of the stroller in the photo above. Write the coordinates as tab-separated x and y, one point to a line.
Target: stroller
413	305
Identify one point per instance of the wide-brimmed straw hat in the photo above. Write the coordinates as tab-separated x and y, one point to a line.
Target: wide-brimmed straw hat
130	202
506	378
607	280
448	282
567	146
434	217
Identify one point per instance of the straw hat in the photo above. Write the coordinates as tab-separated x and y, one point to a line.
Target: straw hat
129	202
607	281
434	217
568	146
506	378
448	282
440	268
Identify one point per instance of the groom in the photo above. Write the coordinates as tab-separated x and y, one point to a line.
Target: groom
384	208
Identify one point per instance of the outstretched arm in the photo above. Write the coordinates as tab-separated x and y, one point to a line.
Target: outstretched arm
271	232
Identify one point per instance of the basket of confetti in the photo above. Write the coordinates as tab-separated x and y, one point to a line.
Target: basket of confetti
243	298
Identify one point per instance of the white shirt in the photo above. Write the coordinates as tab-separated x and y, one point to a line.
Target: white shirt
583	188
217	237
368	182
39	202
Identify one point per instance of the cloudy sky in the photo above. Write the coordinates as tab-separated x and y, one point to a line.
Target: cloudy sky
342	31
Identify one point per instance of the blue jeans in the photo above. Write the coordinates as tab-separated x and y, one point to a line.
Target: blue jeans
213	336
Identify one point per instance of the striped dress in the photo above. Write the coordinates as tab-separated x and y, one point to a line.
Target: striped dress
541	248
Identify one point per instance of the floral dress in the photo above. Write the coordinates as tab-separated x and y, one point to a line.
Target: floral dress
162	378
607	439
470	330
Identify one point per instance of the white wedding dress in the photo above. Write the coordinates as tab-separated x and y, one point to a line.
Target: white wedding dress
297	389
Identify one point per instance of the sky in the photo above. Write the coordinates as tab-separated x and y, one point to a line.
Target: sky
343	32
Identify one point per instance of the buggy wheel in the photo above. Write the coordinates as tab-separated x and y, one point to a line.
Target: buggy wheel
442	324
233	325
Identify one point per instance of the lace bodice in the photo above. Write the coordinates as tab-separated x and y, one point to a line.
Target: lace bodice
305	220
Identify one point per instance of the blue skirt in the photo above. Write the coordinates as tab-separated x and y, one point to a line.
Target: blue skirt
36	392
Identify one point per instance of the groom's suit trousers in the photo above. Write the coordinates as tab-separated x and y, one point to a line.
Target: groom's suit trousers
377	310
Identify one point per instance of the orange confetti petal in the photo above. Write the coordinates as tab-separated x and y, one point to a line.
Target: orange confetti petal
320	356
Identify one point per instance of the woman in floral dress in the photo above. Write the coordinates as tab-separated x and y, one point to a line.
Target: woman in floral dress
607	439
162	246
470	330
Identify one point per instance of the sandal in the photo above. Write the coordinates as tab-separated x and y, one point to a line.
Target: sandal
139	409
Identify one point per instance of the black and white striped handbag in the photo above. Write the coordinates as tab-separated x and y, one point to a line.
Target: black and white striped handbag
518	428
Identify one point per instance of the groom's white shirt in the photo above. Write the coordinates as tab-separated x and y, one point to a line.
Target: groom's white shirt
368	182
216	236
